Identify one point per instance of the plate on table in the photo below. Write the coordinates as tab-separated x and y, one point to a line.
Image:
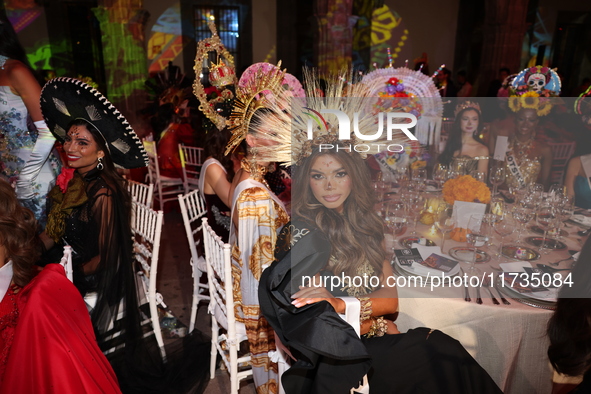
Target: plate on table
536	229
407	242
466	254
544	298
581	220
520	253
550	243
431	187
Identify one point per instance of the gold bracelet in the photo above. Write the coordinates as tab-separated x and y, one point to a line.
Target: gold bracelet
365	312
378	328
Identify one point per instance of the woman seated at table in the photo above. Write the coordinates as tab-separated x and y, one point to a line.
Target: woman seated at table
91	212
529	160
464	150
215	180
335	232
43	321
569	330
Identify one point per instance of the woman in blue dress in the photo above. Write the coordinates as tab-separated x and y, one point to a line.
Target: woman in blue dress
24	150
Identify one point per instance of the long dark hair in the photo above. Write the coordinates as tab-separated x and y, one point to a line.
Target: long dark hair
569	328
454	141
109	172
9	44
18	235
356	236
215	146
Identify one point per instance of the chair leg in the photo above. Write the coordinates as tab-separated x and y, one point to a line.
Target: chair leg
194	306
214	351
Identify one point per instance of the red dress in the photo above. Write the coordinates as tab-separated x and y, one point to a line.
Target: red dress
54	348
8	319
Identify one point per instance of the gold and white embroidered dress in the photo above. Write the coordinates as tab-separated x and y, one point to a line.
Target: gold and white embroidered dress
261	215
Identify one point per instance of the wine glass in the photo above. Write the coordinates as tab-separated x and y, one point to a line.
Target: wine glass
548	220
496	207
445	220
439	174
476	236
479	175
496	177
415	203
395	218
523	215
419	177
504	227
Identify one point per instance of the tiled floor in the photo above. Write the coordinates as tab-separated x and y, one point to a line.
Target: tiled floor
175	283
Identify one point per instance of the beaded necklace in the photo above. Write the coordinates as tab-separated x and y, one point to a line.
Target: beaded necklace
523	149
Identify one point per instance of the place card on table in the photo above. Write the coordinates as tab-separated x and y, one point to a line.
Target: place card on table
501	147
463	210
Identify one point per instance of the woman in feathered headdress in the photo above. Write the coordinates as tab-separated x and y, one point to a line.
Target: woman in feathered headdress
335	233
257	216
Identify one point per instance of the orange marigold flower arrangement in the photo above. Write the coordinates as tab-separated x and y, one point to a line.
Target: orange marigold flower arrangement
465	188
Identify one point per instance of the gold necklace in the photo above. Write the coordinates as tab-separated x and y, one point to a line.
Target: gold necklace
256	171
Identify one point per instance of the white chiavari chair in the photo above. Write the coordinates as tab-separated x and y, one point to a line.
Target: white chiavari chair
192	210
226	332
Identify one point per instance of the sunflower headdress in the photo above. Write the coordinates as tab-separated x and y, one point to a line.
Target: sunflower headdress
302	127
533	88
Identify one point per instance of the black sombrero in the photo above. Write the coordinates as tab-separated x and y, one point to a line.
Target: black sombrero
66	99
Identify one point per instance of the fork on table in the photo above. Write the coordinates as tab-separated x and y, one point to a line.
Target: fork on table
486	285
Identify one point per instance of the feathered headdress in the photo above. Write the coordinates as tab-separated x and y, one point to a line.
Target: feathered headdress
424	100
290	126
260	91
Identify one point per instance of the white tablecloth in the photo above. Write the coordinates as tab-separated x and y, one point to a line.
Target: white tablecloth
508	341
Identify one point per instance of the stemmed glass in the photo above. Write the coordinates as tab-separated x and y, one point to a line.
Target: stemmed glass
419	177
439	175
504	227
523	214
395	218
478	175
496	178
445	221
476	236
496	207
415	205
548	220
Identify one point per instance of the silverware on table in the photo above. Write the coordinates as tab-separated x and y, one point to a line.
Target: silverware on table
466	292
486	285
478	299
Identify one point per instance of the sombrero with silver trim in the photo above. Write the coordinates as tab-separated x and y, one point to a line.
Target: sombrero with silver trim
64	100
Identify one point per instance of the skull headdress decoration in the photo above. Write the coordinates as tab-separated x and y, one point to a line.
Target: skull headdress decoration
533	88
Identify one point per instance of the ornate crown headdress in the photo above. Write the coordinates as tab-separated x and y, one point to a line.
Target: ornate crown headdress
425	100
220	74
465	105
532	88
262	91
289	129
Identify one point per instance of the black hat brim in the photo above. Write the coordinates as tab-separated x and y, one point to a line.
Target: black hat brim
64	100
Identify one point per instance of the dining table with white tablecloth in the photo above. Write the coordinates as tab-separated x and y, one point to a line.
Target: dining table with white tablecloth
508	341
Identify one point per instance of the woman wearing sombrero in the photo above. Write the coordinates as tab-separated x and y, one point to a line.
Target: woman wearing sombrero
90	211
